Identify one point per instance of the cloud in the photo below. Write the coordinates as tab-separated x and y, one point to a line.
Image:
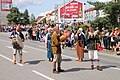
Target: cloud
104	0
24	3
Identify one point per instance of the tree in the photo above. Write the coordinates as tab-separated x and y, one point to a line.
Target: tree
13	16
25	17
98	6
32	19
100	23
112	9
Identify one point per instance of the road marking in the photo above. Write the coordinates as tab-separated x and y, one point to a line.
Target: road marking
10	59
9	47
12	48
69	57
6	41
38	73
36	48
116	68
44	50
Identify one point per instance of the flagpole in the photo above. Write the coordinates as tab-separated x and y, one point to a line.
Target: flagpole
64	14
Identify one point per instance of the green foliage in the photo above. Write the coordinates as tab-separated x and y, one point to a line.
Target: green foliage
112	9
98	5
32	19
44	20
15	17
26	17
83	26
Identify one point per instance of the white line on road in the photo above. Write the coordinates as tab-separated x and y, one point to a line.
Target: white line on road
62	55
46	51
36	48
116	68
10	59
43	50
69	57
6	41
38	73
12	48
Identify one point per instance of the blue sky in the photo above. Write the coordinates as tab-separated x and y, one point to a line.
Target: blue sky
37	7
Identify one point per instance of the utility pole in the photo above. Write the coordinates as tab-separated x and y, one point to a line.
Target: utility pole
64	15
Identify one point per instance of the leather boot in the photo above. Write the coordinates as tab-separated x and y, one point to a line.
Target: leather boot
60	70
56	72
92	67
99	68
21	61
14	61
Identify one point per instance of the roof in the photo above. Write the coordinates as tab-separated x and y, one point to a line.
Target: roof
90	9
38	18
50	13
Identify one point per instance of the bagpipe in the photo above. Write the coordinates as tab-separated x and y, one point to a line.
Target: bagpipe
17	42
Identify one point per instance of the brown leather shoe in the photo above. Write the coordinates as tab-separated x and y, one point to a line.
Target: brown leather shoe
14	61
56	72
60	70
99	68
21	61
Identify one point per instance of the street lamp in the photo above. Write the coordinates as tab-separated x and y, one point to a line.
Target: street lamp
56	13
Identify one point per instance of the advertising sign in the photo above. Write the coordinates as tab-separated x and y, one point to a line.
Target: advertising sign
73	9
7	1
6	5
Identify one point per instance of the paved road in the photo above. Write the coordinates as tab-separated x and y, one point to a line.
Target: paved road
37	66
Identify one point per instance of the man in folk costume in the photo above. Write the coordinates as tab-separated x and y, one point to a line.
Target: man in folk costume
48	42
56	50
15	49
92	49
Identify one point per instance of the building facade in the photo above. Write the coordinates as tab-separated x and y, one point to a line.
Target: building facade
70	12
92	14
5	6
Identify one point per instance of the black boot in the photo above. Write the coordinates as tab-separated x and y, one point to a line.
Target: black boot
56	72
60	70
99	68
92	67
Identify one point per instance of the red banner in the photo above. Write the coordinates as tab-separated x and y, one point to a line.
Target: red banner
73	9
7	1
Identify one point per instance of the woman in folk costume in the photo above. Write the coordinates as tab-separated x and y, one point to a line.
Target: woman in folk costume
48	44
92	48
80	44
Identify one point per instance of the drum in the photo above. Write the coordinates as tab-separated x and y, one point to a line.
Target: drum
63	37
17	42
